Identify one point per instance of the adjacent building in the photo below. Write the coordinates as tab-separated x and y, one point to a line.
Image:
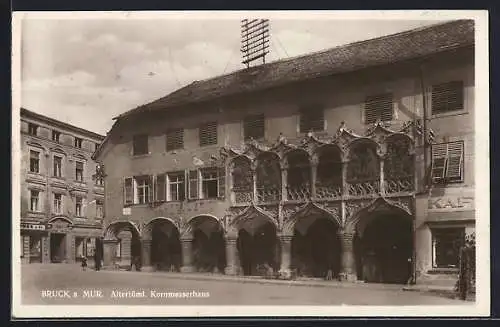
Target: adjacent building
355	162
62	205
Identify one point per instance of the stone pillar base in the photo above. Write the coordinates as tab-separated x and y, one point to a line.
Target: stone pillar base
187	269
147	268
232	270
348	277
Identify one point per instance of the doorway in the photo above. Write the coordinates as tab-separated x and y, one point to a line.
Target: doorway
57	247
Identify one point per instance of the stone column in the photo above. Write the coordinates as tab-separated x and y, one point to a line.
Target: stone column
254	188
232	256
345	185
284	183
187	255
146	255
314	175
70	248
45	248
348	263
286	256
382	178
109	249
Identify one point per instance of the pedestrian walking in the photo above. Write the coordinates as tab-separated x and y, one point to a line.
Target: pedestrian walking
84	263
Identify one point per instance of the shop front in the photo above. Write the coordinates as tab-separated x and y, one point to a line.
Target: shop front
33	242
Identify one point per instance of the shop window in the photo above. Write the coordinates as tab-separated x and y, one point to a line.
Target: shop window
175	139
140	144
312	119
208	134
447	162
32	129
34	161
56	136
253	127
378	108
34	200
446	243
447	97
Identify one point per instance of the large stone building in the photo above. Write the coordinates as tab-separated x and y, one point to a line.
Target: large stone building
62	206
355	161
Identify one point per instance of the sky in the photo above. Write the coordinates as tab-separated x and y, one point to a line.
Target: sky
87	71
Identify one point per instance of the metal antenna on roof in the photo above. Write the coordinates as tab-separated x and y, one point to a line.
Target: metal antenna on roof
254	40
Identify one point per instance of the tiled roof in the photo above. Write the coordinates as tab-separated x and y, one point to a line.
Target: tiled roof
393	48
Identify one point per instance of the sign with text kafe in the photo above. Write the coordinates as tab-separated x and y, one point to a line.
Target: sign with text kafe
452	200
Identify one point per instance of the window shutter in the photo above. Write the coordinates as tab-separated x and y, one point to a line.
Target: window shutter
193	184
208	134
455	159
312	119
160	188
254	127
378	107
175	139
447	97
128	192
439	155
221	182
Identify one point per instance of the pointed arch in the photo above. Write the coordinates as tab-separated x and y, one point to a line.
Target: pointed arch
299	176
329	172
308	210
241	179
268	171
114	227
363	168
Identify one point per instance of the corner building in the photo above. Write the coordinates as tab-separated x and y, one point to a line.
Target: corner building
62	205
354	162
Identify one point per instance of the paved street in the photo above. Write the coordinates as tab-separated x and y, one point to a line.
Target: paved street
142	288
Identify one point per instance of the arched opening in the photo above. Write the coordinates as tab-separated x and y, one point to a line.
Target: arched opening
242	180
383	247
329	173
316	247
208	244
127	246
268	178
165	245
298	176
363	169
257	247
398	165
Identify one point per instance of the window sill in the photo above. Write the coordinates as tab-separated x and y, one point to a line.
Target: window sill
447	271
139	156
450	113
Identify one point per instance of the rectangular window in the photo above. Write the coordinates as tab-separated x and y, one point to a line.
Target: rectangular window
312	119
209	183
254	127
446	243
34	200
79	171
99	209
118	252
34	161
144	189
99	181
128	193
208	133
78	206
56	136
447	162
160	188
447	97
32	129
176	187
78	142
140	144
58	203
193	184
57	166
379	108
175	139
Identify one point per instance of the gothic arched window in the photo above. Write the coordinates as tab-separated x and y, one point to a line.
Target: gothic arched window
242	180
329	172
398	165
363	169
299	175
268	178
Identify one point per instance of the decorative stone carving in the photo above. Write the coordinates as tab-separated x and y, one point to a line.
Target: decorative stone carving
353	207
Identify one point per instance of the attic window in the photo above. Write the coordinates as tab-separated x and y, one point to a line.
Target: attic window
253	127
312	118
378	107
175	139
208	134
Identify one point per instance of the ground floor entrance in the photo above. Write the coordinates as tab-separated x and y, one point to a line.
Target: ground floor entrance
258	250
57	247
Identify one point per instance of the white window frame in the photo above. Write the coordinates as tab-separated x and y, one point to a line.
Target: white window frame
81	213
82	179
56	136
38	161
178	180
61	170
141	183
442	151
99	207
37	207
202	179
58	209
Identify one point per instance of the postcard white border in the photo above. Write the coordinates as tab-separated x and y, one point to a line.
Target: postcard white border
482	304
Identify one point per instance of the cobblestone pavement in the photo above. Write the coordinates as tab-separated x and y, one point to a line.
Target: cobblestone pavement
142	288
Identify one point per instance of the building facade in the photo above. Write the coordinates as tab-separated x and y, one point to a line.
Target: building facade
62	205
355	162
